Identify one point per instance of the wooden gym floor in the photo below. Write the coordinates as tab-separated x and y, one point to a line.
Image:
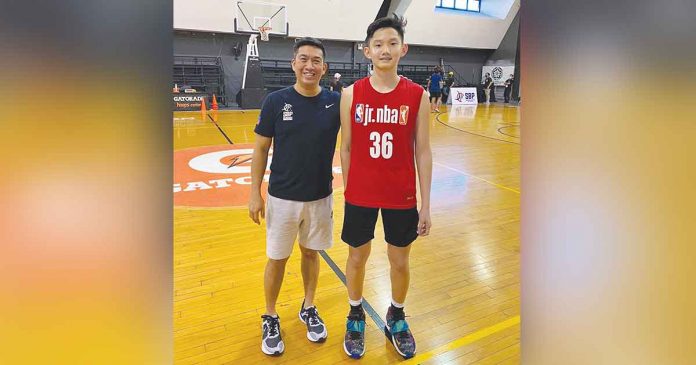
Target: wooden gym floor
464	300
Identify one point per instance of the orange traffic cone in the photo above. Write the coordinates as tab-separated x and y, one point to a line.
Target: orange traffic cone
215	104
203	109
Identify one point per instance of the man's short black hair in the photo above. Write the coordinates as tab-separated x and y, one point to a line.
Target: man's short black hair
309	41
393	21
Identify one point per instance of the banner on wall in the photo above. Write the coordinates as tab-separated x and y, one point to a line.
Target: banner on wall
188	101
463	96
498	73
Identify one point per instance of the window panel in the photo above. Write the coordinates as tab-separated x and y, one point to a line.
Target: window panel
464	5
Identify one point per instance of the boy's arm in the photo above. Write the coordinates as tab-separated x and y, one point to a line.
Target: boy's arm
346	103
424	164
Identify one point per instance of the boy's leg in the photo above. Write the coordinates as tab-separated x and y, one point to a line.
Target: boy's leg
355	270
358	232
399	271
400	229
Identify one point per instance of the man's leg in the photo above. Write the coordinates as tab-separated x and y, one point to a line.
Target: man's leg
282	217
316	330
272	281
316	231
310	274
272	341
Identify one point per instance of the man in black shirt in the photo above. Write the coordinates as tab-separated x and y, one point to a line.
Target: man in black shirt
302	123
487	86
509	83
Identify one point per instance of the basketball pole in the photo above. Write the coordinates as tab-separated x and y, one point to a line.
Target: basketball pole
252	51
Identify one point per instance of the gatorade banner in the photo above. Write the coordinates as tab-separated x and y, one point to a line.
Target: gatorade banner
498	73
188	101
463	96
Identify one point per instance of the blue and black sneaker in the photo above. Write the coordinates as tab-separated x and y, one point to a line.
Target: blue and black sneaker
399	333
271	341
354	342
316	330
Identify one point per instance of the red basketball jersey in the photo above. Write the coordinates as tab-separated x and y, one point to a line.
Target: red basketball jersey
382	170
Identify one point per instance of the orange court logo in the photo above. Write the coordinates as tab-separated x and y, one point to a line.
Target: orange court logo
220	176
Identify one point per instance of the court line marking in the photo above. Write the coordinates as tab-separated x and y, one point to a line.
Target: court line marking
476	177
366	305
220	129
437	118
463	341
508	126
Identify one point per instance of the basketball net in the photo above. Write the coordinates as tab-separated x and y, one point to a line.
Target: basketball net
263	31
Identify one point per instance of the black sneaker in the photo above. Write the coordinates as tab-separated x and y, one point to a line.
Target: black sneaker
400	334
272	342
316	330
354	341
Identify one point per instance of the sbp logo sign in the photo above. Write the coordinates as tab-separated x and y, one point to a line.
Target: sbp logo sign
464	96
220	176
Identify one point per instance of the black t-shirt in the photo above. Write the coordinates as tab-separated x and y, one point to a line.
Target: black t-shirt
337	85
509	82
304	131
489	83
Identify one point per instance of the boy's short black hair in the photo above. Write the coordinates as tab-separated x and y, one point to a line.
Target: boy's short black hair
393	21
308	41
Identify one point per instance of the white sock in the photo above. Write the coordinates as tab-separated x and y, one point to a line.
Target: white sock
355	303
397	305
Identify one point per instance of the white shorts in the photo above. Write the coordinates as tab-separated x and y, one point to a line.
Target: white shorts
311	222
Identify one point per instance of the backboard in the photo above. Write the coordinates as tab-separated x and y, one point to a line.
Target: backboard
250	15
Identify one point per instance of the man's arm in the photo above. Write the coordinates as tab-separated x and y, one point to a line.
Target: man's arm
258	168
346	103
424	164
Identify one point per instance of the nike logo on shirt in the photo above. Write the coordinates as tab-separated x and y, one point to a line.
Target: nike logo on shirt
328	106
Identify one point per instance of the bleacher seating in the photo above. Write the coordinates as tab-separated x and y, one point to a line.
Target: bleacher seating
202	73
278	74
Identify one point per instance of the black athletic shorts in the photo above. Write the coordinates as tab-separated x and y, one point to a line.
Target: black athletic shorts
435	94
400	225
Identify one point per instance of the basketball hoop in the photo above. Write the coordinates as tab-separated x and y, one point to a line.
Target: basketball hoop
263	31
